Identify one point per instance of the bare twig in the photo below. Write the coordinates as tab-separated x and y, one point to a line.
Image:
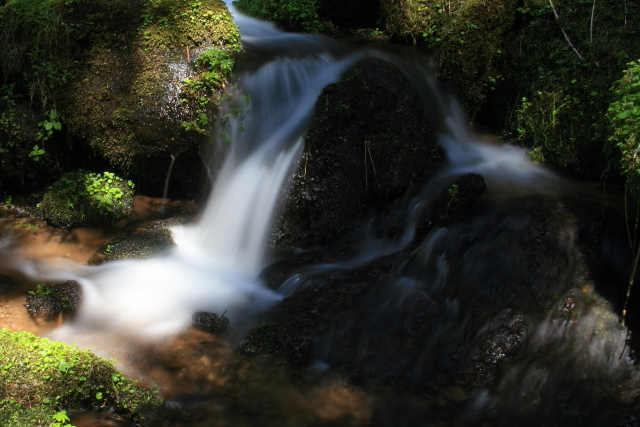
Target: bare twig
626	300
593	9
566	37
375	175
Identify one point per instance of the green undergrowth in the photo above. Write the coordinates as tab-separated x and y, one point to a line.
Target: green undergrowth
562	71
624	115
465	37
82	198
40	378
289	15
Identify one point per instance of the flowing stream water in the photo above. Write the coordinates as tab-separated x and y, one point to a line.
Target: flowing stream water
216	263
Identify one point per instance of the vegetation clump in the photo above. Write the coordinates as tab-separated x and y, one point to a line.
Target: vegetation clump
214	67
112	78
40	378
624	115
465	37
82	198
51	300
562	64
289	15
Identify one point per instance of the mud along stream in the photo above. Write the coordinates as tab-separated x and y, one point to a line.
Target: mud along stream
486	291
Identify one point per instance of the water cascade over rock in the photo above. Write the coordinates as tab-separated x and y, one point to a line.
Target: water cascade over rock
488	318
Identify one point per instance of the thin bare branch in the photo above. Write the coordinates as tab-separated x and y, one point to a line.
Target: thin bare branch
566	37
593	9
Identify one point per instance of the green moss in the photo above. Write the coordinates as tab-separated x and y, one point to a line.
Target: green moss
289	15
80	198
177	24
39	377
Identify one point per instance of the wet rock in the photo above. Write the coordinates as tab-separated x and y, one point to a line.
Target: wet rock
139	241
368	143
49	301
210	322
7	284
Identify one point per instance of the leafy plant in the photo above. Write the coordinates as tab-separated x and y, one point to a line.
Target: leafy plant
60	419
36	152
203	91
453	193
87	198
50	123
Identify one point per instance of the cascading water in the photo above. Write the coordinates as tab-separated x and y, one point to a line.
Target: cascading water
460	303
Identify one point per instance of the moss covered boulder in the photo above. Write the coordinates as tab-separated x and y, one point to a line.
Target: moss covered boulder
39	378
82	198
124	80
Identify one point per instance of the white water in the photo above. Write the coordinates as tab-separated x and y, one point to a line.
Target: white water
215	264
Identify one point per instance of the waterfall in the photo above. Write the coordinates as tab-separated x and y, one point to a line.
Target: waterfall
215	263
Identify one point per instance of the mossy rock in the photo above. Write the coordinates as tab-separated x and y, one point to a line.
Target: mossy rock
122	76
147	240
39	378
82	198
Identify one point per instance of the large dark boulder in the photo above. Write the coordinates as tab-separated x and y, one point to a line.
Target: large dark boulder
369	142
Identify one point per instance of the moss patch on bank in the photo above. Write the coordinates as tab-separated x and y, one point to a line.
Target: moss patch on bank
39	377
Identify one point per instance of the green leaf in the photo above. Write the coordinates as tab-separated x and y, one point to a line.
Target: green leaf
61	416
624	114
57	126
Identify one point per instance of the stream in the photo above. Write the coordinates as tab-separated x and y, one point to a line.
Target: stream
496	309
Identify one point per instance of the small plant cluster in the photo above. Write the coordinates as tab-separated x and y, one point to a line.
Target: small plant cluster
50	300
82	198
203	91
200	29
289	15
40	379
624	115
